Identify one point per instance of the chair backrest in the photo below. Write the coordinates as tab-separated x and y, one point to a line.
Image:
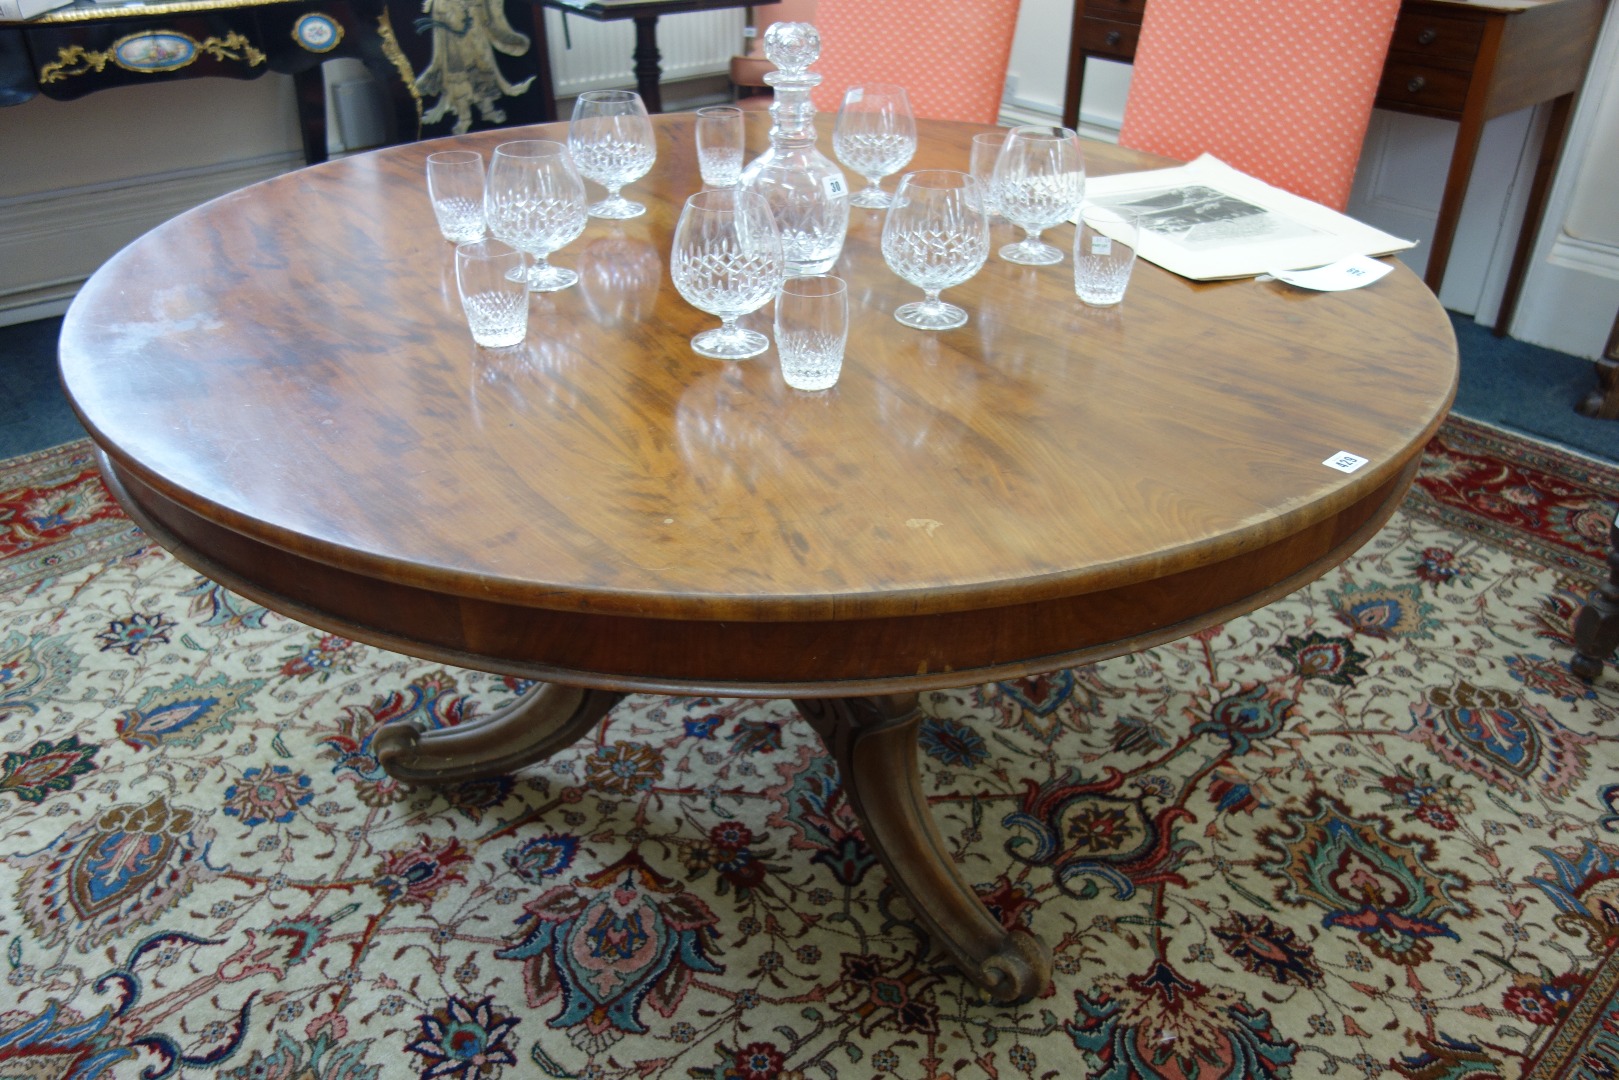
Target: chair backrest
950	56
1281	89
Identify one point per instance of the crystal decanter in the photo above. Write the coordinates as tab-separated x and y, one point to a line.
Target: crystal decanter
806	191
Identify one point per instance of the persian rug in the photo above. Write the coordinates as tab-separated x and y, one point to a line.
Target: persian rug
1370	830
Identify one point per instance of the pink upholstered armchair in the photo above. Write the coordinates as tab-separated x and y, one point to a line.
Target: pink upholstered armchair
1281	89
950	57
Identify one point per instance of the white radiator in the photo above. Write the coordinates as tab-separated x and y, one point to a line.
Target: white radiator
693	44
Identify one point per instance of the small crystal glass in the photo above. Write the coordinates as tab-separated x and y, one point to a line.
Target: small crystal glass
727	261
1104	253
536	202
985	152
455	187
612	142
812	328
875	135
1040	182
494	298
935	236
719	145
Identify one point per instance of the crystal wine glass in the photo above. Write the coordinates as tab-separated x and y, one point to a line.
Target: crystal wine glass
535	202
727	261
875	135
936	236
611	139
1039	182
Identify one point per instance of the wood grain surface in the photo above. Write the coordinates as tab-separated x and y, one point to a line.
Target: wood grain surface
284	386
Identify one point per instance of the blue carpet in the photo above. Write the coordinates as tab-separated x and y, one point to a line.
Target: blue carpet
33	413
1510	384
1524	388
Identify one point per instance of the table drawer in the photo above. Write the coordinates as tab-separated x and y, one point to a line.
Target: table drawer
1117	10
1107	37
1414	84
1437	37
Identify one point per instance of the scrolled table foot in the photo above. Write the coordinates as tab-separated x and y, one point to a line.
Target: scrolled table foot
548	718
1019	971
873	741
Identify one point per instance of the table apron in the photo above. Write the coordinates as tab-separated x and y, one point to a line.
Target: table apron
757	659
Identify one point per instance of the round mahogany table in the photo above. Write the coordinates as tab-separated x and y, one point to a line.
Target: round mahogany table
285	394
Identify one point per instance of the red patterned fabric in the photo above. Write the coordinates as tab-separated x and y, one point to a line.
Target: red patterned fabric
950	57
1281	89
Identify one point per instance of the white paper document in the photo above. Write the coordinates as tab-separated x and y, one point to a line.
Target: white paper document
1353	272
1207	221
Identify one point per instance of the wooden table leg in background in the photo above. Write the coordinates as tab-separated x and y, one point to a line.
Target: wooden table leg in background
1596	627
1468	135
648	66
310	87
1603	402
1551	152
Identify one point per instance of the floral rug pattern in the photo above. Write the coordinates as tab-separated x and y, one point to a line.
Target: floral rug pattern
1370	830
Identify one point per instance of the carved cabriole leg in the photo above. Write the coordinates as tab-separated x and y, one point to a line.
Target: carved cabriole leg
1596	627
548	718
873	741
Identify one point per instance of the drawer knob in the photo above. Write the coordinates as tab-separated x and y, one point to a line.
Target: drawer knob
1428	36
1113	37
1417	83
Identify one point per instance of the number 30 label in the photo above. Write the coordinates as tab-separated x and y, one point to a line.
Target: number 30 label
834	187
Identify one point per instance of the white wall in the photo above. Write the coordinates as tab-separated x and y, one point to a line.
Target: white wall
80	179
1572	292
1038	71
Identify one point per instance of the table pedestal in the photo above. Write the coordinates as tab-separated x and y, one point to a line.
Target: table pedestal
873	741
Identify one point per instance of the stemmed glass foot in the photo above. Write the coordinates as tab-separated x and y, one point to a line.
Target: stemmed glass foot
729	342
543	277
872	197
931	314
1031	251
616	208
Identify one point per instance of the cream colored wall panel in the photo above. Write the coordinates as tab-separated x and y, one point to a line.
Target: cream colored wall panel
1038	68
51	242
136	131
1593	212
1572	289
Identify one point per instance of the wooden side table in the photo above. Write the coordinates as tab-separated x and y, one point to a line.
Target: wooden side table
1463	60
85	48
648	61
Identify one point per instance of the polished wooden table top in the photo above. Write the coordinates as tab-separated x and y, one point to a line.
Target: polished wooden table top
283	379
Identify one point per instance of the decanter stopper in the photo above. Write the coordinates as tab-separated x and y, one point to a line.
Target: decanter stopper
792	47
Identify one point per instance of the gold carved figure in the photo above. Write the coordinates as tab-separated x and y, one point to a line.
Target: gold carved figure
463	73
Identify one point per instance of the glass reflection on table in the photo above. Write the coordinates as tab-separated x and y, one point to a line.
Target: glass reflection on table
620	278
